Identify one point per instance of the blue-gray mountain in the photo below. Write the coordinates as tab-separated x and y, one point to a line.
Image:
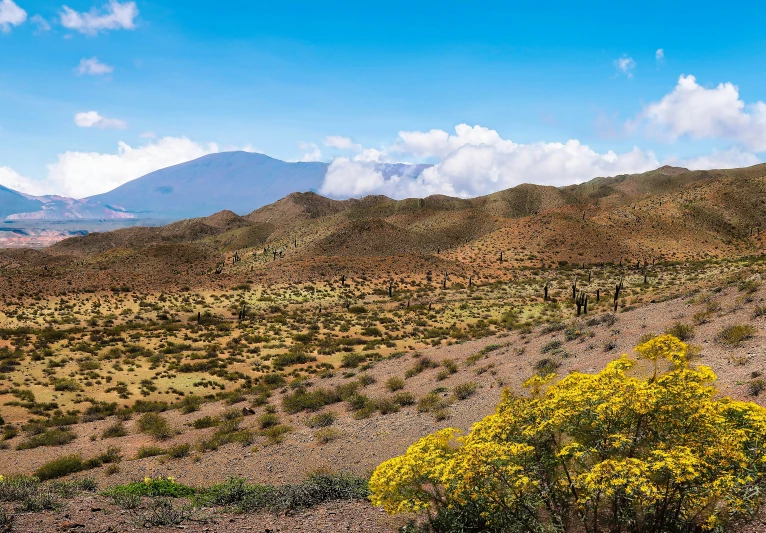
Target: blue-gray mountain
238	181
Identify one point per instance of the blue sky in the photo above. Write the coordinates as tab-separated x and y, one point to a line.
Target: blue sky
173	80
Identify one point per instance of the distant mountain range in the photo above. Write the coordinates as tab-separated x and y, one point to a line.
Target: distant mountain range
237	181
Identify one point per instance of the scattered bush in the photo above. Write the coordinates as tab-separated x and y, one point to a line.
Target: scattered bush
322	420
178	451
386	406
404	398
63	466
206	421
756	386
50	437
276	434
325	435
546	366
149	451
154	425
684	332
154	487
465	390
736	335
422	364
394	384
268	420
115	430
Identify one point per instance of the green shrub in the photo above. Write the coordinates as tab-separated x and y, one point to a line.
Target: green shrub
153	487
386	406
178	451
546	366
322	420
190	404
404	398
394	384
205	422
50	437
303	400
736	335
552	346
14	488
684	332
432	403
63	466
228	432
268	420
353	360
276	434
149	451
154	425
115	430
465	390
756	386
325	435
422	364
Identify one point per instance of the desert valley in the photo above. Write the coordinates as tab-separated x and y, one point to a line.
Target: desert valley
194	374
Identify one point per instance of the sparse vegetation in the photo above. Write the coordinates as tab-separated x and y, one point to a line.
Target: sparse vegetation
736	335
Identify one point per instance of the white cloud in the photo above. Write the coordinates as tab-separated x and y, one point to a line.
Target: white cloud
81	174
41	23
659	55
370	155
439	143
342	143
91	119
10	15
93	67
13	180
148	135
347	178
731	158
311	152
625	65
691	110
113	16
477	161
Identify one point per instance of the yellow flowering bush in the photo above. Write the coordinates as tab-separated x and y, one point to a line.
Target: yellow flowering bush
605	452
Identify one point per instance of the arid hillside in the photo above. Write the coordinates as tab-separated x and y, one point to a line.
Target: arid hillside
316	335
666	215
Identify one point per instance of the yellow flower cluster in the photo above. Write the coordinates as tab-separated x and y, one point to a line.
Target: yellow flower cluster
595	452
148	481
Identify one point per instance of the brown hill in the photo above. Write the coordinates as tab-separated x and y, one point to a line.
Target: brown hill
666	214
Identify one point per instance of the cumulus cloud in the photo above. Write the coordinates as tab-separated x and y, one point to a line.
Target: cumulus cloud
625	65
93	67
697	112
439	143
659	55
311	152
10	15
91	119
342	143
82	174
476	161
13	180
113	16
731	158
